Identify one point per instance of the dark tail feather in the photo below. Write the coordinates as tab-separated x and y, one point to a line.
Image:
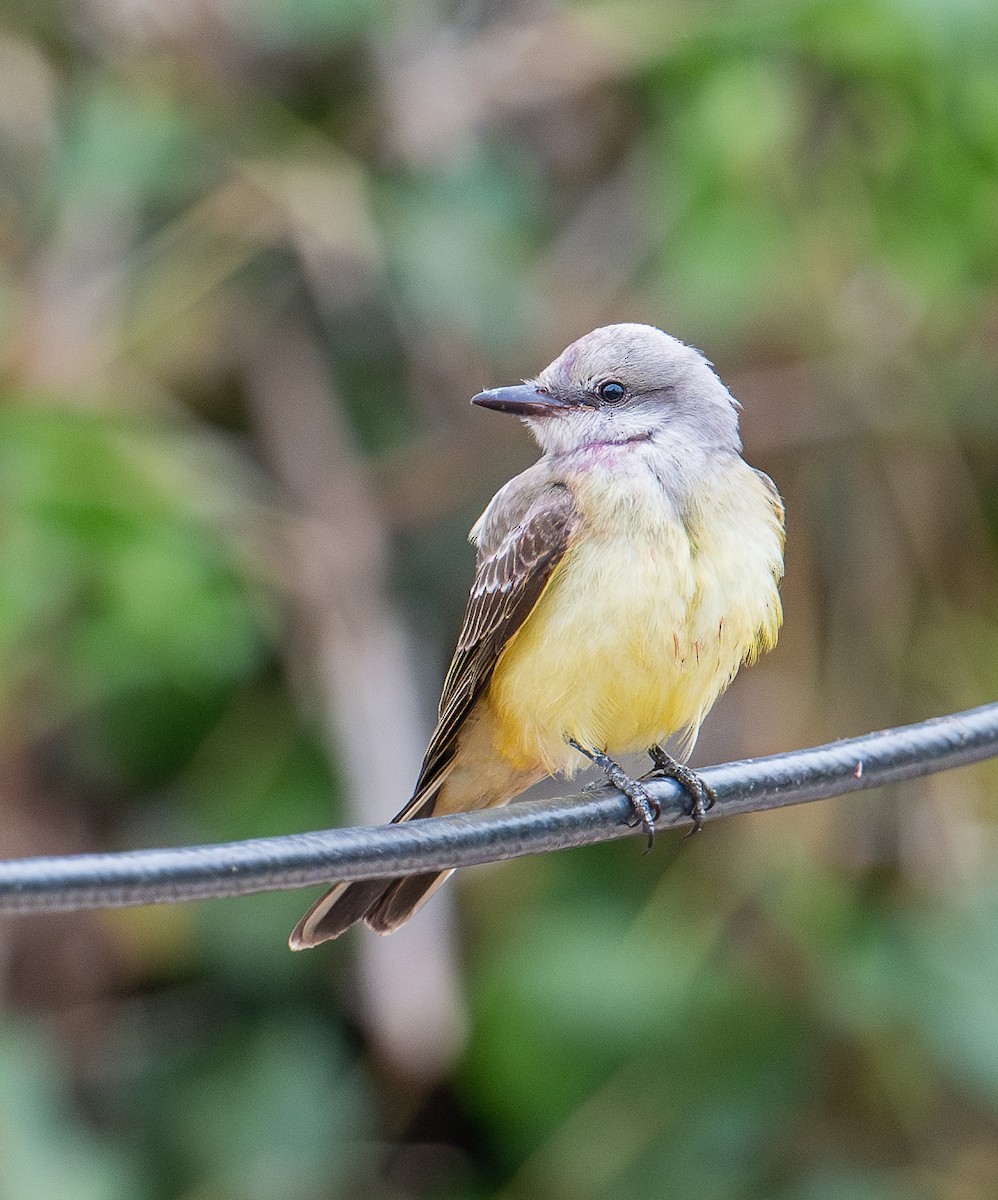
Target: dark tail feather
401	899
333	913
384	903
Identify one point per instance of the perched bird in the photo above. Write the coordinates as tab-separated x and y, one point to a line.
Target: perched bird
621	582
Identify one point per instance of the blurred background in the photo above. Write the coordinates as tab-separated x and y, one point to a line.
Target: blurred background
255	256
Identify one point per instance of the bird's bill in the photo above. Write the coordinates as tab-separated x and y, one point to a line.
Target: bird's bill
523	400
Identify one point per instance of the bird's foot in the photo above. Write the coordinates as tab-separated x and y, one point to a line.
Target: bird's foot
701	794
646	810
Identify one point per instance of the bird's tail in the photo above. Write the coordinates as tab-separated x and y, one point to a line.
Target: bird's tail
384	904
481	780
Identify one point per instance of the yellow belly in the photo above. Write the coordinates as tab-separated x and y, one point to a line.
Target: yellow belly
639	631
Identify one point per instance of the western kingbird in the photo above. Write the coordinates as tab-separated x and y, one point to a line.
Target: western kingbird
621	582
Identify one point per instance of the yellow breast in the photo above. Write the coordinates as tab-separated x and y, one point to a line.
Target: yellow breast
644	623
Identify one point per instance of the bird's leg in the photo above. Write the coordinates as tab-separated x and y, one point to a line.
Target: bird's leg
702	794
646	810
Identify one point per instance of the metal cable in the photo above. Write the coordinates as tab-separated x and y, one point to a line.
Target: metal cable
527	827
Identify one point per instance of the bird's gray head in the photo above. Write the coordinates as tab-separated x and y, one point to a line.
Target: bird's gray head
624	383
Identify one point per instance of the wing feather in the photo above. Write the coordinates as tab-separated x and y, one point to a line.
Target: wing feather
508	583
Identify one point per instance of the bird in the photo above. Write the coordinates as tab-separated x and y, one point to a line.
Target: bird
621	581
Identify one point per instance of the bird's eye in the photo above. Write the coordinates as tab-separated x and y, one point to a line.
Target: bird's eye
611	391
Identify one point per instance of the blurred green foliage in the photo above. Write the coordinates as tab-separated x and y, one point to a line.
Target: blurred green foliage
254	257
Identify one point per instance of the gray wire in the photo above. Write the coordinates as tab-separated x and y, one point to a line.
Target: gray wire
531	827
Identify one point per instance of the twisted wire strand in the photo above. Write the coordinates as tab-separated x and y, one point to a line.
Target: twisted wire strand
171	876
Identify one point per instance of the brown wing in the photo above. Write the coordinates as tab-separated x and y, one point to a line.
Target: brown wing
508	583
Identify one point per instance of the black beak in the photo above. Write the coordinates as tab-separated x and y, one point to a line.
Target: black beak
524	400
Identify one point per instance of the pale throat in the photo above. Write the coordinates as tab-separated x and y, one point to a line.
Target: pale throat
604	443
599	451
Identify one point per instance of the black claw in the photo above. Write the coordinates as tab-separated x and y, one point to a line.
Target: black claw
661	762
646	810
646	813
648	818
701	794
